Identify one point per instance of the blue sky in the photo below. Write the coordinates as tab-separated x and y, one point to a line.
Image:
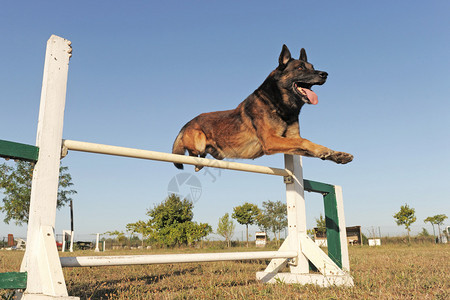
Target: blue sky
141	70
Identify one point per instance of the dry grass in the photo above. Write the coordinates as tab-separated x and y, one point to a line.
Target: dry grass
387	272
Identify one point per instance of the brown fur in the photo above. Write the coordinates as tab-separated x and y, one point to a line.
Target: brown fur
265	123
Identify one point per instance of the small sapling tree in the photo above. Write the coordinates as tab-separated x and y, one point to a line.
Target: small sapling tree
226	228
432	222
321	225
118	236
406	216
273	216
142	227
246	215
439	220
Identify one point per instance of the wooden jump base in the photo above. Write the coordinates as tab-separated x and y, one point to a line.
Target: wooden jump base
41	261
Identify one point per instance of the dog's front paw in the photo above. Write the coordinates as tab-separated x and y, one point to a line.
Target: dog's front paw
341	157
326	154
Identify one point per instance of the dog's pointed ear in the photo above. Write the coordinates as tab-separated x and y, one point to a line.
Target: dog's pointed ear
285	56
303	55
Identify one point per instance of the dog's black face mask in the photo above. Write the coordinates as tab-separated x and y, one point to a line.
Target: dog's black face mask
297	76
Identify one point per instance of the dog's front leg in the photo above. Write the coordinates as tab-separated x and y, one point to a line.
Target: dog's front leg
275	144
325	153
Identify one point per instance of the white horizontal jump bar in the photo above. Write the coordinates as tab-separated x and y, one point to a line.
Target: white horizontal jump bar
168	157
94	261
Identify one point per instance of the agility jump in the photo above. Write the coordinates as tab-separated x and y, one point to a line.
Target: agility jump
42	264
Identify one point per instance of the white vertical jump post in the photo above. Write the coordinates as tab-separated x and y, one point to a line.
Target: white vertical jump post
335	266
67	233
44	266
41	260
96	243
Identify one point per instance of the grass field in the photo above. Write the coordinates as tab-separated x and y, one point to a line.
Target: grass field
387	272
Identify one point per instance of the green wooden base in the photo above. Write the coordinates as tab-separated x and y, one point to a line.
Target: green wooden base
331	217
13	280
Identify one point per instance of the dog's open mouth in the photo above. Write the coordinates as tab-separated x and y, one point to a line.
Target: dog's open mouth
307	95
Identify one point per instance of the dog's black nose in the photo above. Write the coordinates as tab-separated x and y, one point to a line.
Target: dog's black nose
323	74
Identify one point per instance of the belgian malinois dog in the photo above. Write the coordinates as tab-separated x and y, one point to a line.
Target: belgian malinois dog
265	123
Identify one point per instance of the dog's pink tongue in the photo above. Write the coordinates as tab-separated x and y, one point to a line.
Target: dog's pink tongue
312	96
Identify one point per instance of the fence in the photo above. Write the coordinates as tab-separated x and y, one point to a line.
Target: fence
44	266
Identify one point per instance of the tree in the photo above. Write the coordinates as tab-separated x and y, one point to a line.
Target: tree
263	222
142	227
321	225
406	217
226	228
171	223
439	220
246	215
15	181
310	233
119	236
431	221
273	216
436	220
424	232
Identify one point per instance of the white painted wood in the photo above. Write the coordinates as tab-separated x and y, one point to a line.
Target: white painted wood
277	264
168	157
296	212
50	268
92	261
64	233
71	241
342	228
96	243
316	279
319	258
64	244
26	296
46	175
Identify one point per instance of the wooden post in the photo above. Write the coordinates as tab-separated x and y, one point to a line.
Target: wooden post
298	240
296	212
41	260
97	249
343	232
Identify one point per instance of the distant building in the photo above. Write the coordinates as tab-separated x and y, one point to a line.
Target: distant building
354	236
260	239
374	242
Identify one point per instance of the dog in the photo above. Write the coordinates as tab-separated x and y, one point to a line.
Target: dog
263	124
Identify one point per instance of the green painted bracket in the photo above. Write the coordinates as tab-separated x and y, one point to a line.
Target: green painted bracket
13	280
18	151
317	187
331	217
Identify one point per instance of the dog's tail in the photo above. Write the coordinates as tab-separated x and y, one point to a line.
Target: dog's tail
178	148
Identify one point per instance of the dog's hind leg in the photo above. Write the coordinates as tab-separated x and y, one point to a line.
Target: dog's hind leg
197	168
195	142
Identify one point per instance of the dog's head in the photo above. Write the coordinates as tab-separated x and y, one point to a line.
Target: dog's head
297	76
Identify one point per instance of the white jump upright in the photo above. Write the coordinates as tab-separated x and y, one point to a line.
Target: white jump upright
97	249
43	264
67	233
41	260
298	240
